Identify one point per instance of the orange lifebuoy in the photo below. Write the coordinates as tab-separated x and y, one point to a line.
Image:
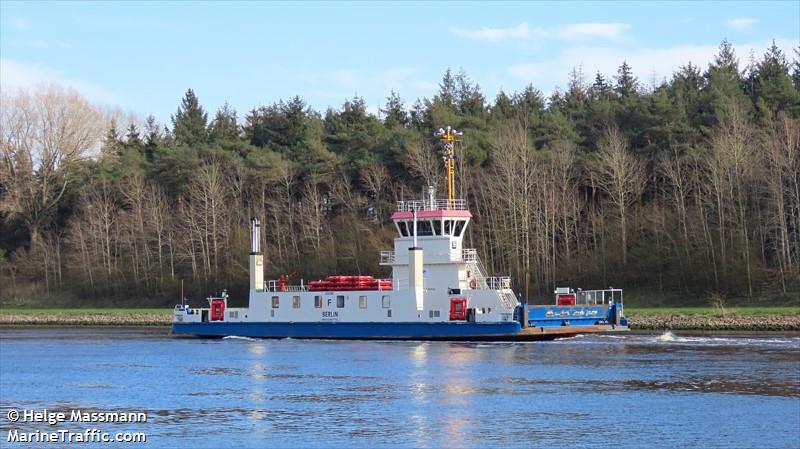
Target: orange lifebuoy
473	284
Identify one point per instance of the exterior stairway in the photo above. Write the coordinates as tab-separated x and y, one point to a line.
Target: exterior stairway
486	283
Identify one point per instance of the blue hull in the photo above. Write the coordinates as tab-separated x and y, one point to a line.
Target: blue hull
335	330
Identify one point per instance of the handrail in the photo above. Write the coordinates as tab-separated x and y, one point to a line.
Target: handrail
498	282
436	204
595	297
464	255
274	286
387	257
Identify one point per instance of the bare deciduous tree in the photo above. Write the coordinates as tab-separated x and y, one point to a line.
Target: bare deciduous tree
622	178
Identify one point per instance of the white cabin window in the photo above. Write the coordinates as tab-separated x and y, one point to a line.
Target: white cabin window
389	313
403	228
448	227
233	314
433	314
296	302
340	301
362	302
424	227
386	301
276	302
459	227
318	302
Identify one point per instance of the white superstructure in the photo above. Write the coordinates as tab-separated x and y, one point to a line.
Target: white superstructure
429	270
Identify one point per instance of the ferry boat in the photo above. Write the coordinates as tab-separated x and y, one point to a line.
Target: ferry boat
439	290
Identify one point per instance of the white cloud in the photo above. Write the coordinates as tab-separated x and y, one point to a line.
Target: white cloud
16	74
645	62
578	31
520	31
569	32
741	24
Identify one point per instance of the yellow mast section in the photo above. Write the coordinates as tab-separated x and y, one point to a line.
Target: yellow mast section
448	137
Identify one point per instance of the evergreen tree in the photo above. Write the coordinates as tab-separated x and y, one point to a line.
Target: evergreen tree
627	84
773	83
576	93
295	115
190	121
557	101
224	127
686	86
133	142
600	89
132	137
447	89
112	143
503	107
468	96
396	115
528	104
152	138
723	85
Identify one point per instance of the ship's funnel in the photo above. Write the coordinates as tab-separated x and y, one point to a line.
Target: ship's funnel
255	236
256	258
415	267
415	276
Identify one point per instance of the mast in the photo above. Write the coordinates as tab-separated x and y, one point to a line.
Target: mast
256	256
448	138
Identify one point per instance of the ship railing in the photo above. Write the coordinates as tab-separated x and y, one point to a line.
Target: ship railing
469	255
387	257
274	286
498	282
597	297
435	204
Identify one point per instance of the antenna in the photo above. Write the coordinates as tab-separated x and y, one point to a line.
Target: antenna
448	137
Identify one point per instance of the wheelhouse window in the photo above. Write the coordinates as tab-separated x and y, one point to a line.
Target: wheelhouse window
424	227
459	228
296	302
340	301
318	302
437	227
403	228
276	302
448	227
362	302
386	301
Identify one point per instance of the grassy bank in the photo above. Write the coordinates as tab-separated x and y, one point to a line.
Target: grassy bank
86	317
651	318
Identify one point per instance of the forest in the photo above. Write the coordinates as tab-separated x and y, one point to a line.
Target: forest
683	189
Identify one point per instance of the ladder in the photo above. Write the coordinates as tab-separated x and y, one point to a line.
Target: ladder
479	273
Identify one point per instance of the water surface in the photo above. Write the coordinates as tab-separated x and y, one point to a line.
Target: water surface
637	390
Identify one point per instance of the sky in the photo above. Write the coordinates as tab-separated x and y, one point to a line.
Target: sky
143	56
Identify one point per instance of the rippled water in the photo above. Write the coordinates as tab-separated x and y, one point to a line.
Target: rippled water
595	391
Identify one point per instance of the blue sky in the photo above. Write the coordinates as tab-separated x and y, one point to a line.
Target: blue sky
142	57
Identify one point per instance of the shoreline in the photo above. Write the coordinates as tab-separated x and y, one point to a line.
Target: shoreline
651	321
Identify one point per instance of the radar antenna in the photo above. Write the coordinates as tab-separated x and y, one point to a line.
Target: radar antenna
448	138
